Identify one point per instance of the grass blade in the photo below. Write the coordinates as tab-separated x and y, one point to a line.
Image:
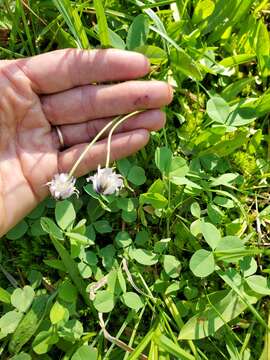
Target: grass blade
169	346
74	22
71	268
102	24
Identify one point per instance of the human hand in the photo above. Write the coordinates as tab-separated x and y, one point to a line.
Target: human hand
53	89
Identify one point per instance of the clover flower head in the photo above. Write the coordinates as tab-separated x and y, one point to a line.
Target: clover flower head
106	181
62	186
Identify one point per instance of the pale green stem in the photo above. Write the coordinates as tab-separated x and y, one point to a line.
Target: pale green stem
90	145
111	132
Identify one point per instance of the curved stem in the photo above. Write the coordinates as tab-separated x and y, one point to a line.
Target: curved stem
113	129
91	144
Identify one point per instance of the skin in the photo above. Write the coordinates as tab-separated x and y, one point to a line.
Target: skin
79	91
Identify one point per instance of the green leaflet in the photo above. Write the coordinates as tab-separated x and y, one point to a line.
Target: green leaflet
207	322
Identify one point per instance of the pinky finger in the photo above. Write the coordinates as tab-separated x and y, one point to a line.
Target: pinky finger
122	145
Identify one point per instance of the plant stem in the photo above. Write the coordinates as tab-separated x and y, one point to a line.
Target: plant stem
90	145
114	124
111	132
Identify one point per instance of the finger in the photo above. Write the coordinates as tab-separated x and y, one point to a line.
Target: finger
93	102
64	69
122	145
151	120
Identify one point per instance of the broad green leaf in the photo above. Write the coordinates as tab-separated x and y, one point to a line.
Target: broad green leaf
104	35
108	255
265	212
94	210
44	341
178	167
51	228
71	331
202	263
219	19
85	352
67	291
182	62
248	266
22	299
123	239
233	89
138	32
102	226
64	214
230	243
58	313
237	60
226	147
91	258
218	109
129	216
124	165
214	213
132	300
263	49
158	186
211	234
113	283
85	270
203	10
158	201
136	175
144	257
142	237
4	296
196	227
195	209
224	202
237	119
17	231
35	278
177	180
259	284
230	249
155	54
225	179
172	266
262	105
163	158
125	204
161	246
115	40
207	322
233	279
104	301
79	238
9	322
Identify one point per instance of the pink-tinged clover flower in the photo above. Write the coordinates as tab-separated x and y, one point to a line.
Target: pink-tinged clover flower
106	181
62	186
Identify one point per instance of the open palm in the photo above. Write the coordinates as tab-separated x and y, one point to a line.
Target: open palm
63	88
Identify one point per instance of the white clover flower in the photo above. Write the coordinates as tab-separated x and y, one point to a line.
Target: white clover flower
62	186
106	181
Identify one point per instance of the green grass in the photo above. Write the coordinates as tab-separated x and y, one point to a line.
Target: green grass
178	264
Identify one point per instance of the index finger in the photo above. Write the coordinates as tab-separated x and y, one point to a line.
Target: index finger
64	69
